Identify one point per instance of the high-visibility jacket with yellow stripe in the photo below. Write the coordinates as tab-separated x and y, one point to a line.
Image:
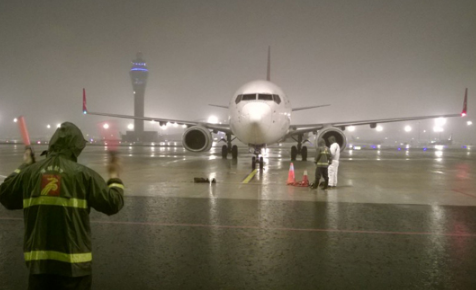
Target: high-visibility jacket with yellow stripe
323	156
56	195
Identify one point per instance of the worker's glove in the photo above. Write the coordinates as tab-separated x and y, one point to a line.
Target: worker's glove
29	156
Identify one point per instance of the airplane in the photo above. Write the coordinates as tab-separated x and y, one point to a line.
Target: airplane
259	115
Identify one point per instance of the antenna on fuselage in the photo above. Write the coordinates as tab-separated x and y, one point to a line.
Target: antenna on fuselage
268	73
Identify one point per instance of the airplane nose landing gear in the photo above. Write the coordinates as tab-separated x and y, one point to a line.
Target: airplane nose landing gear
257	159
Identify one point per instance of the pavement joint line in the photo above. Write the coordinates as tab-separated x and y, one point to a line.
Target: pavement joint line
465	193
250	176
274	228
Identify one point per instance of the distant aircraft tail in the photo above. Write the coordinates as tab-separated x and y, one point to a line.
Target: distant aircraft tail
465	104
268	72
85	110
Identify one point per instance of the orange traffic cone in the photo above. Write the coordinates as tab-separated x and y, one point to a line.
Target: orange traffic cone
291	178
305	180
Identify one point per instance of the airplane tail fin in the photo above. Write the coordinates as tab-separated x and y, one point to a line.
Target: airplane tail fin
268	72
85	110
465	104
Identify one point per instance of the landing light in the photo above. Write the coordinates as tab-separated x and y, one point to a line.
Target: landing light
408	128
351	128
469	123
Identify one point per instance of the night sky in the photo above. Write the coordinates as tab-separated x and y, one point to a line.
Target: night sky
368	59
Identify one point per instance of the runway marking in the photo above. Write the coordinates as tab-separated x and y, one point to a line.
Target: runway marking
467	194
274	228
249	177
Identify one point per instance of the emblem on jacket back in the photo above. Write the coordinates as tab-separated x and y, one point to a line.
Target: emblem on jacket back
50	184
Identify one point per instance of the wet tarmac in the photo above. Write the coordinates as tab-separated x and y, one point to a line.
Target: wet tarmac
399	219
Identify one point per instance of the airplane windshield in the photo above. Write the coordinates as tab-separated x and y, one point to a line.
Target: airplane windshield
277	99
249	97
265	97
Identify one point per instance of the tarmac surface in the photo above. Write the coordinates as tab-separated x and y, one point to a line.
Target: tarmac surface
399	219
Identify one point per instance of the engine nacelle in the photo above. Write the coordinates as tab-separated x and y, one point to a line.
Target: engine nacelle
333	131
197	139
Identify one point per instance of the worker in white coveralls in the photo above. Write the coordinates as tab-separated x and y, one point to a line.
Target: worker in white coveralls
334	166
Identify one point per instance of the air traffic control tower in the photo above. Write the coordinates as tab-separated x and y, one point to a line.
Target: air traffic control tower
139	74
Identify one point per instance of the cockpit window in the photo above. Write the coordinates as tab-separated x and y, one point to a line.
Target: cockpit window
249	97
265	97
238	99
277	99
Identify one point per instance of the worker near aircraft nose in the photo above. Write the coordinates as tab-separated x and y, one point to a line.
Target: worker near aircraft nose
56	195
334	166
322	161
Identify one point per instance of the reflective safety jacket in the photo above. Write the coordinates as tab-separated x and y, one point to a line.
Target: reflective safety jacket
56	195
323	157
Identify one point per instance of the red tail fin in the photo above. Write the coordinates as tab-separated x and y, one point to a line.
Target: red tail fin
465	104
85	110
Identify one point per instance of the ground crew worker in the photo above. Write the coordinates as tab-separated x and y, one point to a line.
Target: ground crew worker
322	161
56	195
334	166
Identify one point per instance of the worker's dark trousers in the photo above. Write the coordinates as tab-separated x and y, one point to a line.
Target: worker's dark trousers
56	282
321	171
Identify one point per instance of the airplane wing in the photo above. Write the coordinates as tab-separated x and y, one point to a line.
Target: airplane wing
162	121
307	108
219	106
304	128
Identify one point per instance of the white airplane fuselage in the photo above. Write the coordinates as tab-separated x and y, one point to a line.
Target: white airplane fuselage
262	119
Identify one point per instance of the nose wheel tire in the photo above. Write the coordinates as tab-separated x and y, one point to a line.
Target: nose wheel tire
304	153
293	153
224	151
261	163
234	152
253	162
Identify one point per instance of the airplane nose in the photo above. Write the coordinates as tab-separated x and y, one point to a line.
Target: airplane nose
257	114
256	122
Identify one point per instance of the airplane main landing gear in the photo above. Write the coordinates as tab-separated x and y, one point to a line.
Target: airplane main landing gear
225	149
299	149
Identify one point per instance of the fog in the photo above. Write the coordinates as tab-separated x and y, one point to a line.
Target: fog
368	59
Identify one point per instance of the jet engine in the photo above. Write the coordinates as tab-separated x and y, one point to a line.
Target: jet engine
197	139
337	133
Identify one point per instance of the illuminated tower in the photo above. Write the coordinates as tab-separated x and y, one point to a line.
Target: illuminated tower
139	73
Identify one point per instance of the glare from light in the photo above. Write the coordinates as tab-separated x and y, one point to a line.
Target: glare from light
152	121
469	123
58	125
130	126
212	119
379	128
439	153
351	128
438	129
48	126
175	125
105	126
184	126
439	147
439	122
408	128
164	127
15	120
